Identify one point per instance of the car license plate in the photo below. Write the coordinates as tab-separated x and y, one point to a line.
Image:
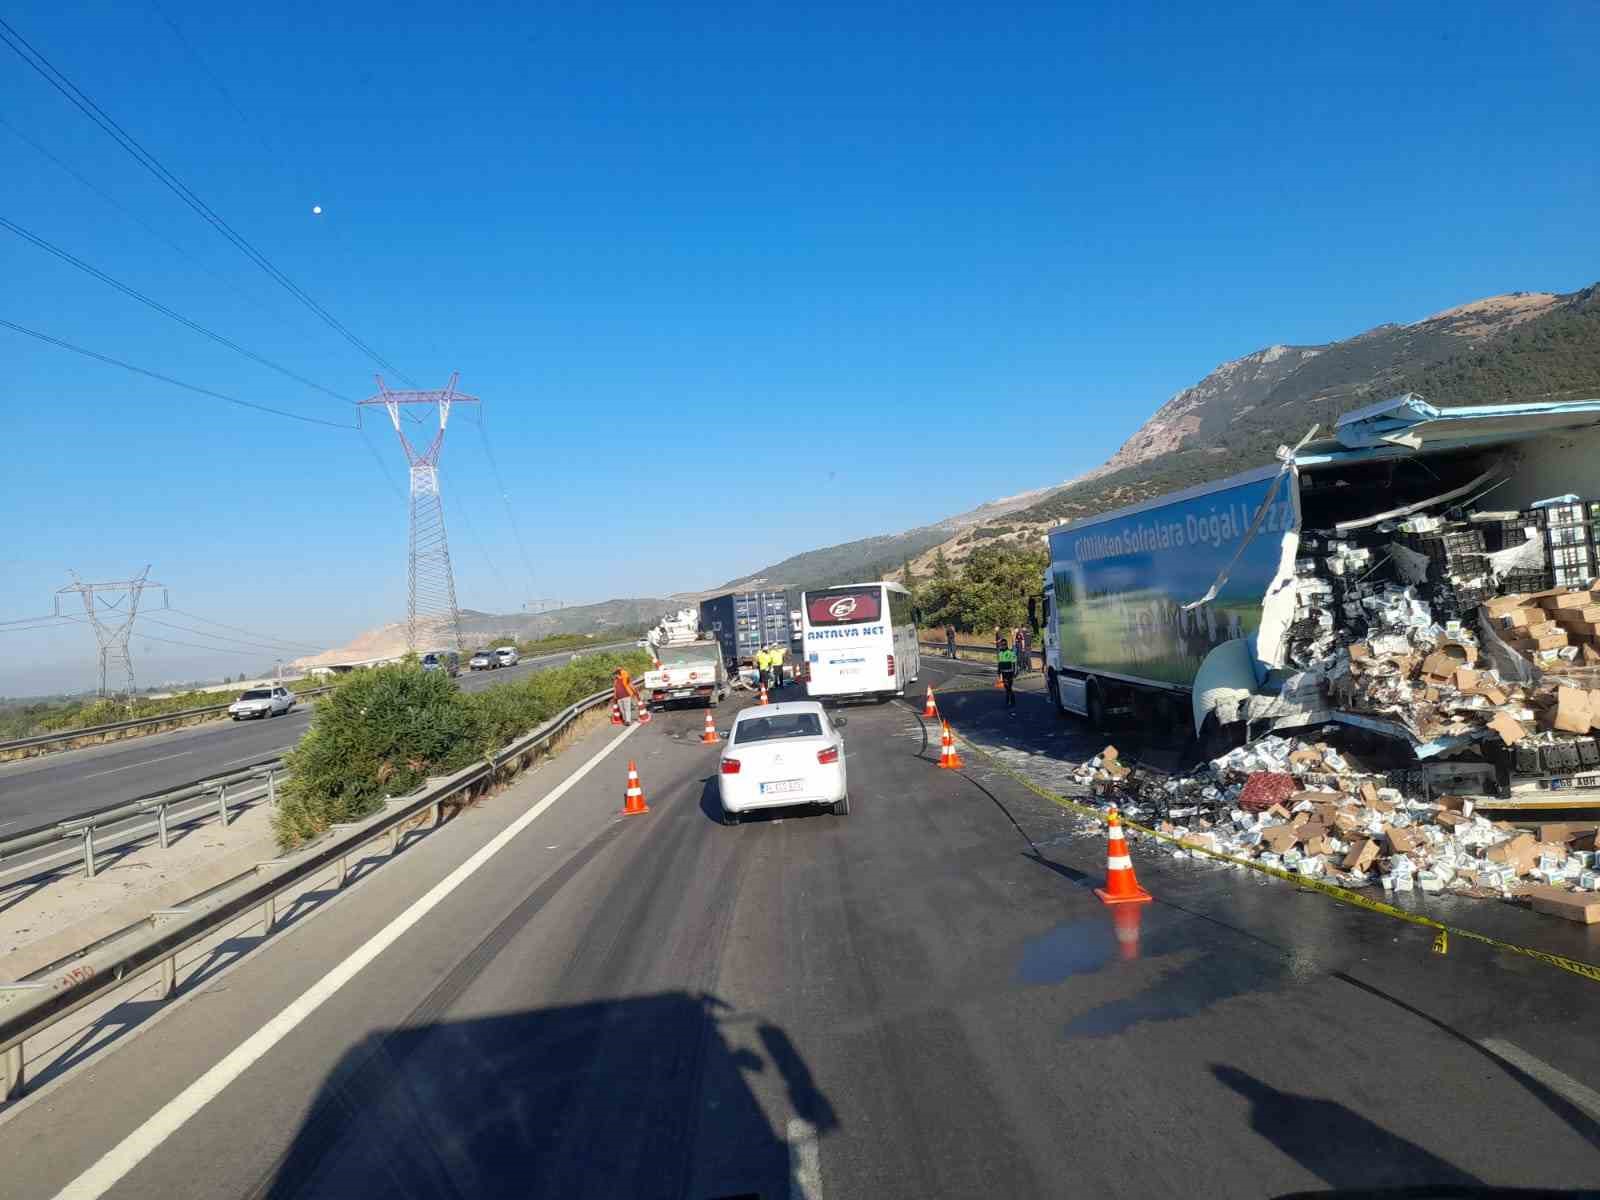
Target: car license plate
779	787
680	693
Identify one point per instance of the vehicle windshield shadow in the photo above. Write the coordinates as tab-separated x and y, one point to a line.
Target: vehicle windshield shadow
603	1099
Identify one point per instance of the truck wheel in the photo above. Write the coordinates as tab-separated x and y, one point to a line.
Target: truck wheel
1097	708
1052	684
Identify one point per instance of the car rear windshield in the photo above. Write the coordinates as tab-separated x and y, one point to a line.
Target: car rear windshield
256	694
785	725
844	606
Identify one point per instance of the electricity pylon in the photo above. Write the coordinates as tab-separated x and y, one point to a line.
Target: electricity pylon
432	585
111	619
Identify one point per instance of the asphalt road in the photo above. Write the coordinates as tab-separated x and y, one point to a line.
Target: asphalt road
56	787
921	999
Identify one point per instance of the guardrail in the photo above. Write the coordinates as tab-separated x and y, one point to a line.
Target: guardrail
32	1005
943	648
38	741
87	827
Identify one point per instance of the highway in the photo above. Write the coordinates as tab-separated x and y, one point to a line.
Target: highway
56	787
921	999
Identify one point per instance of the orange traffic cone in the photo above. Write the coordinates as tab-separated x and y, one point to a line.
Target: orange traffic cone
764	699
633	798
616	713
999	686
929	709
948	758
709	737
1121	886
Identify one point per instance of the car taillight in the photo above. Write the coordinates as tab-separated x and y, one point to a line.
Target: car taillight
891	664
830	755
730	766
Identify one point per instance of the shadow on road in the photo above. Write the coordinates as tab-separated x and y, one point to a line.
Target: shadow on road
711	806
603	1099
1341	1147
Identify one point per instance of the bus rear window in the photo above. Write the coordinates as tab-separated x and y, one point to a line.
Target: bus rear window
844	606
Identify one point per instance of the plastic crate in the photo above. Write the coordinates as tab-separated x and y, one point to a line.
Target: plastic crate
1562	514
1571	556
1502	535
1581	573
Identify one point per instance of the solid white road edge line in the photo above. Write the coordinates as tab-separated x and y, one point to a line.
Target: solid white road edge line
138	1145
805	1161
1563	1085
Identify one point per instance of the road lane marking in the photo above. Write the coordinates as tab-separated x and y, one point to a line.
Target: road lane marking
249	758
805	1161
144	763
138	1145
1568	1088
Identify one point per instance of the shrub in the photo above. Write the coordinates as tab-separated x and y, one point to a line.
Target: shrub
383	732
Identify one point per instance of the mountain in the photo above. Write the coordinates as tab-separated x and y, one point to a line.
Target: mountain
389	641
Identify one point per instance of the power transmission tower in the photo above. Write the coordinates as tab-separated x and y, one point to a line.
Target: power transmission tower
432	600
111	608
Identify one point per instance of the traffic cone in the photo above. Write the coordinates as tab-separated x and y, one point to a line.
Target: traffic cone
1121	886
764	699
709	737
949	760
616	713
644	711
1125	919
998	685
633	799
929	709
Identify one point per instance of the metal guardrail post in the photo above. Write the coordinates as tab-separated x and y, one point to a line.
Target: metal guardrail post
161	825
13	1074
269	915
169	977
88	851
339	874
272	786
222	804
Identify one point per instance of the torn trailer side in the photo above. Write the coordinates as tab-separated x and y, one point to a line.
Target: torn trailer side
1232	606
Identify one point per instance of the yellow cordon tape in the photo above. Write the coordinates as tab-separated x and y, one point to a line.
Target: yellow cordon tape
1442	932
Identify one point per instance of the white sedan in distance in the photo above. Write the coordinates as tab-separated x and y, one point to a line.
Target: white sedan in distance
261	702
507	656
778	755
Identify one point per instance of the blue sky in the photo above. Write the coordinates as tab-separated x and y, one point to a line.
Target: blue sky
862	266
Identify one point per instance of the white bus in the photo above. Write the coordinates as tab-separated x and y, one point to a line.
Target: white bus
859	640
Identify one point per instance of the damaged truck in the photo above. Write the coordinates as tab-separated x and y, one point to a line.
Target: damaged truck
1422	574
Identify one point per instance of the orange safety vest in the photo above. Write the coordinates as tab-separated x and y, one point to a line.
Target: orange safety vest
623	687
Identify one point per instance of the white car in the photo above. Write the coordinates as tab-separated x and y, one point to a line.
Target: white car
262	702
778	755
483	660
507	656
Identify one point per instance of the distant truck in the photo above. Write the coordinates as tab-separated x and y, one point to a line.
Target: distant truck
692	672
1129	631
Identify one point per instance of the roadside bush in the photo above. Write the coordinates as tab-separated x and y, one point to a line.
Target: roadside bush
382	732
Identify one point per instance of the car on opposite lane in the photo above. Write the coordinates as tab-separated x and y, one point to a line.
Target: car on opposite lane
261	702
778	755
507	656
483	660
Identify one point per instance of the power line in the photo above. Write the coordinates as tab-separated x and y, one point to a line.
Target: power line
211	77
189	387
237	629
483	549
505	499
126	290
80	100
150	637
223	637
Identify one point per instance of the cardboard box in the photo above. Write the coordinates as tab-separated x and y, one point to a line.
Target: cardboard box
1346	822
1563	831
1549	641
1319	845
1519	618
1400	840
1509	729
1450	820
1589	655
1362	855
1499	605
1492	694
1582	907
1571	713
1280	838
1519	853
1589	614
1562	600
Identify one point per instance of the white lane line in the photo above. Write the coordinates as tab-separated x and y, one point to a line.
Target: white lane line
805	1161
139	1144
1584	1097
144	763
259	756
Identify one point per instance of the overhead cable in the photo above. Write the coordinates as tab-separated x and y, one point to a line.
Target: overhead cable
190	387
80	100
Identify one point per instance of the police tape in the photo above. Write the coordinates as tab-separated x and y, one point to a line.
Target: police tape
1442	931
